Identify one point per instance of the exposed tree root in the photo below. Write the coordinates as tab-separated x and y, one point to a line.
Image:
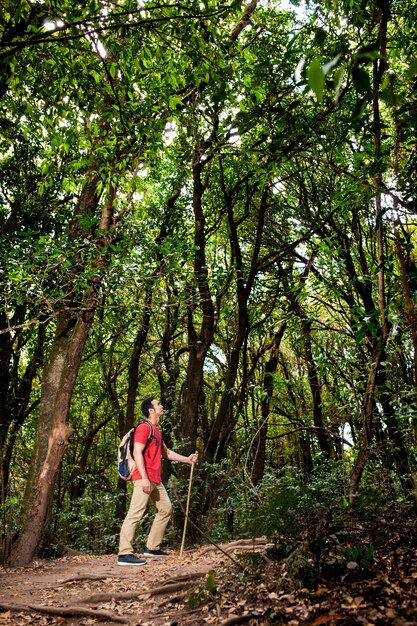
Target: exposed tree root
186	577
81	577
172	588
134	593
242	544
74	579
67	611
257	541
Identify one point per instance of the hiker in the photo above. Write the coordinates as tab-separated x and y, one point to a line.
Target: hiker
147	484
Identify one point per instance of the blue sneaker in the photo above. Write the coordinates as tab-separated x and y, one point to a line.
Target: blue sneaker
129	559
148	552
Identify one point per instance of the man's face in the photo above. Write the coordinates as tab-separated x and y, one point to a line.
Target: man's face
158	409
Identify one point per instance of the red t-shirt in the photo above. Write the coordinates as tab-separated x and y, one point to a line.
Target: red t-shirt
152	455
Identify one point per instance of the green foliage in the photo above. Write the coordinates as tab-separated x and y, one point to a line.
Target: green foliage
315	76
88	524
10	514
199	596
290	159
360	555
211	582
290	505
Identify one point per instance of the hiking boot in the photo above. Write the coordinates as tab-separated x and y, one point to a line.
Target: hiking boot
148	552
129	559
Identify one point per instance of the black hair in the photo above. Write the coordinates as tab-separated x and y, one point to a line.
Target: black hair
146	405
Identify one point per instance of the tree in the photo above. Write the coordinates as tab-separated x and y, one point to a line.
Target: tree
217	203
104	160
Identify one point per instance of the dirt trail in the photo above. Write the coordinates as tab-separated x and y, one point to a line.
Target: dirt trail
88	590
206	587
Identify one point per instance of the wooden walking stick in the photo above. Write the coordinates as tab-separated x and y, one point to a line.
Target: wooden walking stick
186	510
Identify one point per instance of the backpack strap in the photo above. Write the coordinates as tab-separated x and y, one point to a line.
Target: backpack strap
151	433
132	436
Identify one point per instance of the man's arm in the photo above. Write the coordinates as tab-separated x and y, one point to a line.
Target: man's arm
138	449
174	456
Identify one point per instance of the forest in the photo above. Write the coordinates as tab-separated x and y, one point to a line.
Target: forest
210	203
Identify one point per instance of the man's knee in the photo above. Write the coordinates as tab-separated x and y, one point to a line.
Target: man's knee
168	509
165	509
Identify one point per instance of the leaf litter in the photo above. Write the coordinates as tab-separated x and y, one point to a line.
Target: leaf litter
204	587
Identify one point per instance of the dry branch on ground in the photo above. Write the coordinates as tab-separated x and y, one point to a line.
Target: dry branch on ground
67	611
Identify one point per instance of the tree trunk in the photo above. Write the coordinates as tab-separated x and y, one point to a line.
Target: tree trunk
53	432
259	443
315	387
223	423
306	461
5	357
59	377
133	374
366	432
77	485
379	68
198	343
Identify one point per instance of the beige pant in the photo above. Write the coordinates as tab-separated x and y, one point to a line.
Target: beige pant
137	508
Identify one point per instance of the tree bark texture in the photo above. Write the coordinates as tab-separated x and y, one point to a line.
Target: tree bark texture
59	376
366	432
200	342
259	442
315	388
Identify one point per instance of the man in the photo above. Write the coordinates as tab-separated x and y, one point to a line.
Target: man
147	484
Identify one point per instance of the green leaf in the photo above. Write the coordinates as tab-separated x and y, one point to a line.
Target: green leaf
175	101
315	75
211	582
412	70
96	76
